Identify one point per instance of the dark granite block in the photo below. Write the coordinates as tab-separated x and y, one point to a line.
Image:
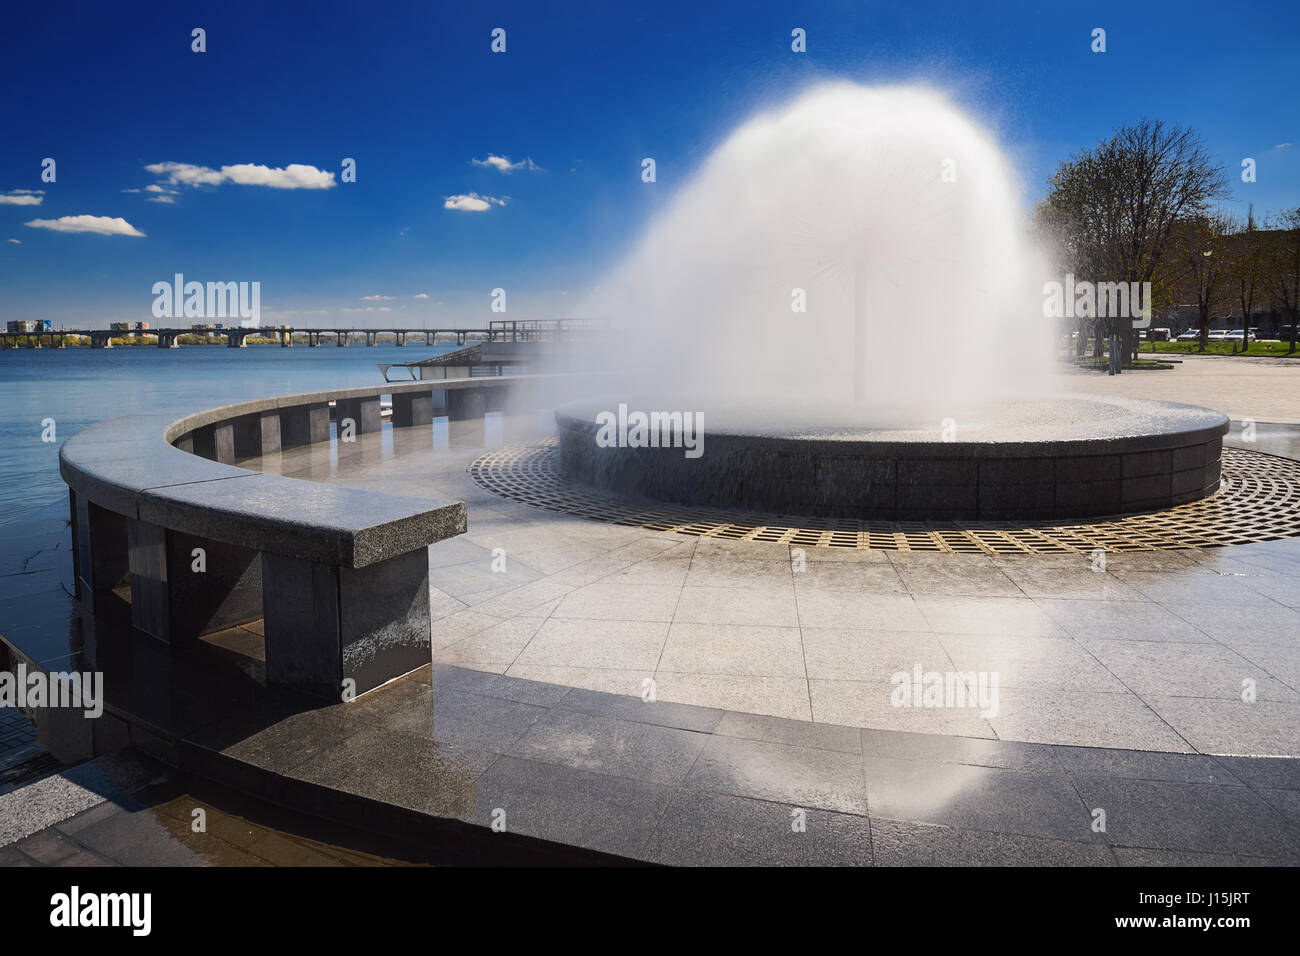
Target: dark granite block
903	843
103	550
960	795
1144	765
1192	456
1193	479
464	404
1139	464
591	810
1092	497
1204	818
798	776
205	442
223	438
1144	492
1000	754
1087	469
1016	471
625	707
326	624
268	423
363	412
709	829
620	748
148	576
247	430
412	409
304	424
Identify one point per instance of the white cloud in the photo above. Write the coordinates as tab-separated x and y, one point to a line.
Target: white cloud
130	190
16	242
472	202
1283	145
502	164
293	176
103	225
421	295
21	197
164	199
377	298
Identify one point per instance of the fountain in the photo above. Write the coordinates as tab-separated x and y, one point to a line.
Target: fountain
845	302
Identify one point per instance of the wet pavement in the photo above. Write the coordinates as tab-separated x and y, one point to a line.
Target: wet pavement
663	698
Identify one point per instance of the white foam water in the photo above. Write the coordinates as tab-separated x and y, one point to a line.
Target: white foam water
898	218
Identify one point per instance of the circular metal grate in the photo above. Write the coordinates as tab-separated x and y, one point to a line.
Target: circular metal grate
1259	501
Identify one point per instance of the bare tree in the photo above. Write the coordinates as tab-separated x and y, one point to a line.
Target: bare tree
1245	255
1200	250
1115	206
1281	263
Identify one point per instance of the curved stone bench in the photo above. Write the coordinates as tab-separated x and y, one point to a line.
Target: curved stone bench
339	576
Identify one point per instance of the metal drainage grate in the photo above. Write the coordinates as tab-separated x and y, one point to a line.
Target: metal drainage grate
1259	500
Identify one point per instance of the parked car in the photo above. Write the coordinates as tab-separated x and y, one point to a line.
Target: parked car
1157	335
1191	335
1235	335
1219	335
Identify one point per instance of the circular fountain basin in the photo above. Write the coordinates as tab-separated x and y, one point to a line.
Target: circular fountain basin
1058	457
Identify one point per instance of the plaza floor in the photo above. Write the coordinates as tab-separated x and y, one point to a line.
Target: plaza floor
1160	651
651	696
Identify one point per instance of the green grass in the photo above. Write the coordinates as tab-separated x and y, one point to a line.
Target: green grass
1216	348
1103	363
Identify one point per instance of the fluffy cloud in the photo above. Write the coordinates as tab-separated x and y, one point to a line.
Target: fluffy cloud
16	242
293	176
502	164
163	199
22	197
472	202
421	295
102	225
376	298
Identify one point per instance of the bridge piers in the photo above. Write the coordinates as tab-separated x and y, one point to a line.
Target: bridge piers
235	340
401	339
371	339
341	339
101	340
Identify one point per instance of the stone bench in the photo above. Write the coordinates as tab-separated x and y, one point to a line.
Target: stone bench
339	576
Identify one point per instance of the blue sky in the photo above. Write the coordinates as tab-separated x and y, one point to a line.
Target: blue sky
584	90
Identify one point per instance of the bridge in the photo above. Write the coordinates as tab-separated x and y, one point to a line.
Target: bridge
502	330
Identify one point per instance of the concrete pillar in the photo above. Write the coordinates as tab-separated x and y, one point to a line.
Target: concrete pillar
341	339
326	624
256	434
304	424
363	411
99	550
412	409
215	442
401	339
372	338
465	404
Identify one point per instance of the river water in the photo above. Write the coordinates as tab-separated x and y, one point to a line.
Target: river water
77	387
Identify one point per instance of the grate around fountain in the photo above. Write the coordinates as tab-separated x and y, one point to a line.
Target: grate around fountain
1259	501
